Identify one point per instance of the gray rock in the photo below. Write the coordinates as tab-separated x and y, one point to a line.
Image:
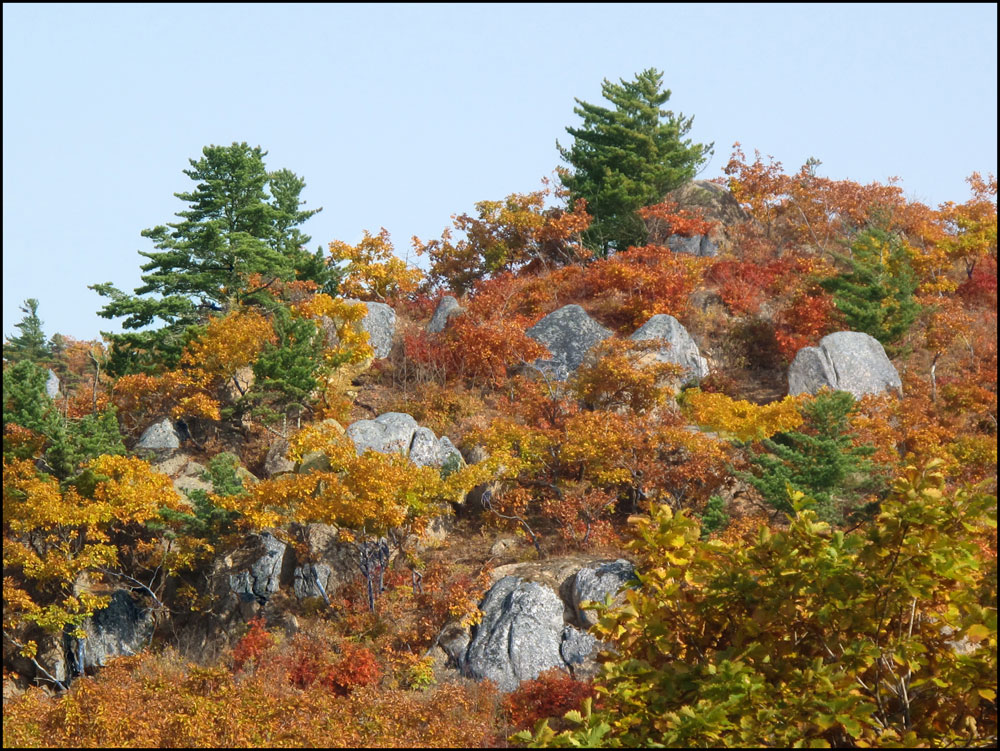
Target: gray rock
568	333
263	577
520	635
121	629
277	462
846	361
450	456
596	581
699	245
380	323
682	350
577	646
424	448
446	308
185	473
714	202
52	385
398	432
312	580
160	436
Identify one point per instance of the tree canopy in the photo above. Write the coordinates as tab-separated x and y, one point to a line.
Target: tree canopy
241	221
628	157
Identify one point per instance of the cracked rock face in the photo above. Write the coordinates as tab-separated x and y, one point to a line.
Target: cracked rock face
682	349
844	361
263	577
398	432
122	628
595	582
568	333
521	634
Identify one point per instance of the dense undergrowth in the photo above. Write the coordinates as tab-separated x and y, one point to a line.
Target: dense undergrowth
814	569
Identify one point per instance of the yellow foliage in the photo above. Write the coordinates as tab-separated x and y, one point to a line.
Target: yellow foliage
53	535
229	343
374	272
373	492
741	419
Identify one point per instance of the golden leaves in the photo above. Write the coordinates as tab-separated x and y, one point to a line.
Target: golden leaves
373	271
741	419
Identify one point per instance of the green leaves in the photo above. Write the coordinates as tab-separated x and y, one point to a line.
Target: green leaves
804	636
231	231
875	294
628	157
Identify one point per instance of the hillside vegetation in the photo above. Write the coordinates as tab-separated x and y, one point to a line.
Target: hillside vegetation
294	500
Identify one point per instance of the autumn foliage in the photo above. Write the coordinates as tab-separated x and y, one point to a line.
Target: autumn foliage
816	570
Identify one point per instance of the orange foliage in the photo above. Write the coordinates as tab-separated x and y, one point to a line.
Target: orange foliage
373	272
552	694
664	219
617	377
505	236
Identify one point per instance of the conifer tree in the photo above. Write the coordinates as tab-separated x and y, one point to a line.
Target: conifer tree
821	460
628	157
240	220
30	344
875	294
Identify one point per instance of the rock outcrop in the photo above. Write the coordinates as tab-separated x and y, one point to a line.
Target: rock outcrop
699	245
255	571
682	349
844	361
380	323
532	621
398	432
568	333
123	628
52	385
184	472
160	437
446	309
716	204
596	581
521	634
276	461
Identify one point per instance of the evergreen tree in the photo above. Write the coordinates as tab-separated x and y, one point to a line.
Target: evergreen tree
30	344
821	461
628	157
875	294
68	443
285	373
241	220
25	402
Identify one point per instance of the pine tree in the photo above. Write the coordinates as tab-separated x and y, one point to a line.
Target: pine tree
821	461
30	344
240	221
628	157
69	443
875	294
285	373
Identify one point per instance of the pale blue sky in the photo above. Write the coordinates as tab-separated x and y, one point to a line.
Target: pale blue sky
401	115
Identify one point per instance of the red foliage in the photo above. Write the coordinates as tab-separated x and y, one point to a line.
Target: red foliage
311	664
252	646
664	219
743	285
981	285
551	695
809	318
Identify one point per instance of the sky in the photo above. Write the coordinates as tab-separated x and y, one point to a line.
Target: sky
399	116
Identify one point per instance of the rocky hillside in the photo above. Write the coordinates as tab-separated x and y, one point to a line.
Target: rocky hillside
362	505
